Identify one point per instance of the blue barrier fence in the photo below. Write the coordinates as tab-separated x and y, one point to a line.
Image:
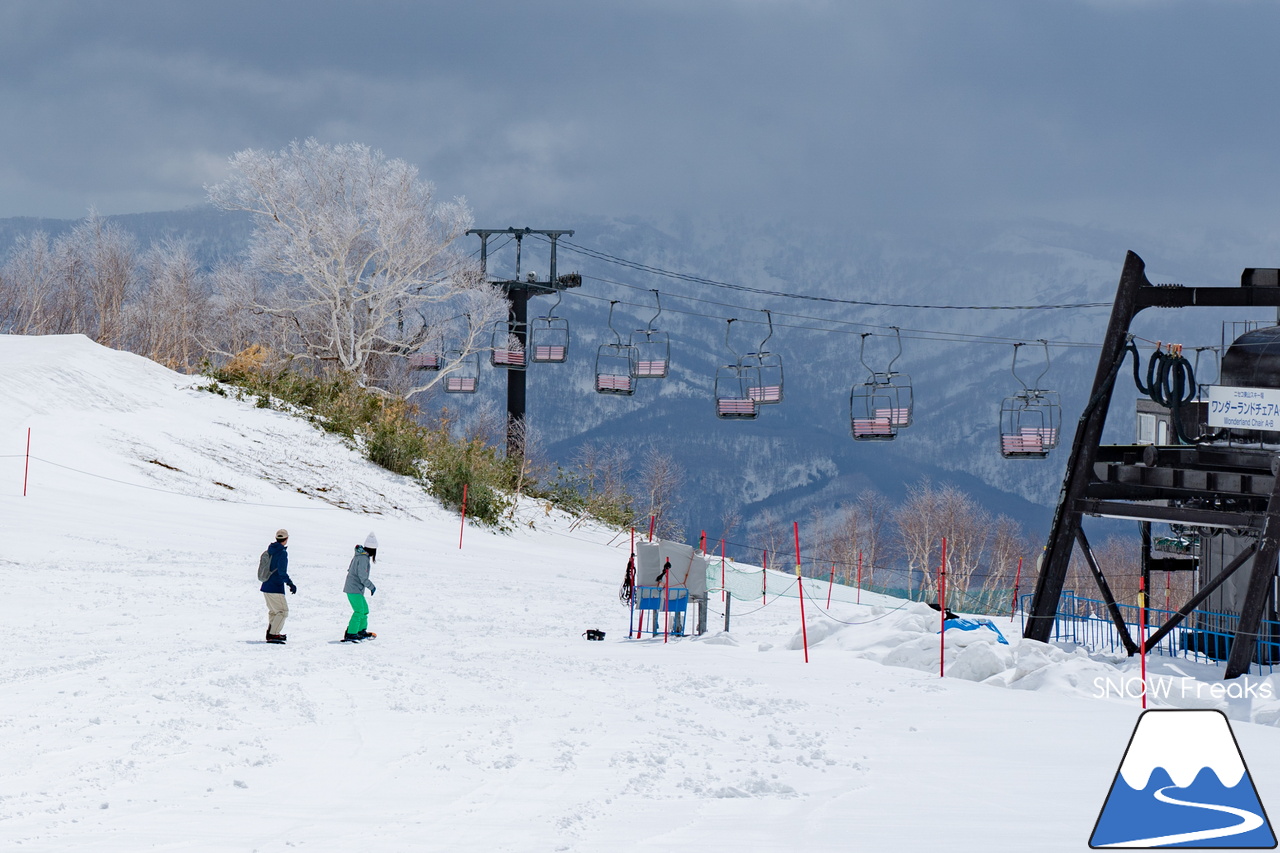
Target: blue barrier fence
1204	636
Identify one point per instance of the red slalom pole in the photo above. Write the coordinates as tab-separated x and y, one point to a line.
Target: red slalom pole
859	577
942	611
831	585
464	515
666	606
27	467
652	520
1017	576
634	569
1142	634
804	629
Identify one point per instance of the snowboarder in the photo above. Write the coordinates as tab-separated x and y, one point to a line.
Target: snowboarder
273	588
357	580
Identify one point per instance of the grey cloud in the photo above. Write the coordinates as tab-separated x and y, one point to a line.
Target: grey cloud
766	108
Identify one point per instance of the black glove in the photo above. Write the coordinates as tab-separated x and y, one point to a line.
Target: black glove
372	589
292	589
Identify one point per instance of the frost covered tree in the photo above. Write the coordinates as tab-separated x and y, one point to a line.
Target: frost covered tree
660	480
168	313
364	262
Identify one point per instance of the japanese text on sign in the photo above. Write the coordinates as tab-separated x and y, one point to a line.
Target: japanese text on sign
1244	408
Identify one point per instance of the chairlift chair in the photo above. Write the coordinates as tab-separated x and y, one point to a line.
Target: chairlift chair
615	364
465	378
882	405
768	369
1031	420
549	337
424	361
653	349
733	393
733	387
507	350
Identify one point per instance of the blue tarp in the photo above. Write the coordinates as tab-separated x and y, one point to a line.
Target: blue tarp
973	625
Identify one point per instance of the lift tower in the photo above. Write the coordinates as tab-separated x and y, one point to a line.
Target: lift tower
518	293
1225	485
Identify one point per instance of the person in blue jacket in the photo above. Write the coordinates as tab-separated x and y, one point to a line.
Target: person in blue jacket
273	588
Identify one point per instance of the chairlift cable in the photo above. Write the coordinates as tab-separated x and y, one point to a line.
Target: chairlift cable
695	279
915	334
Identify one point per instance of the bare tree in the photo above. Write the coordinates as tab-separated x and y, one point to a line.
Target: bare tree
602	471
966	526
29	283
366	259
660	480
104	268
919	523
769	531
164	317
1009	544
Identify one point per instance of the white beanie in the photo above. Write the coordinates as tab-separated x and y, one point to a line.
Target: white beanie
371	541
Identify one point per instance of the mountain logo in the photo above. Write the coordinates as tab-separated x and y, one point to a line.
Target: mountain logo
1183	783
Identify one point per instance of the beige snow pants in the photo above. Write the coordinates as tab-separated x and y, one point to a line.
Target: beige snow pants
277	611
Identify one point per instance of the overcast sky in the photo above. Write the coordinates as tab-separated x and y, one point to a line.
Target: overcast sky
1108	113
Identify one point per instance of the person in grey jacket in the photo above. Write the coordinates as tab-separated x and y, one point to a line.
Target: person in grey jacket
357	582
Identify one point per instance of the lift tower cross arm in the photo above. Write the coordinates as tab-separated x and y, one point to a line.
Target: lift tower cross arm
518	293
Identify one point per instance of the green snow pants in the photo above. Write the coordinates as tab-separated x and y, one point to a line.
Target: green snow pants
359	613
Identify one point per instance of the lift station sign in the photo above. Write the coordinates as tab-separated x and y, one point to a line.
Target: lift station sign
1244	408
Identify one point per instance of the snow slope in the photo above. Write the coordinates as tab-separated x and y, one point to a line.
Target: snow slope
142	711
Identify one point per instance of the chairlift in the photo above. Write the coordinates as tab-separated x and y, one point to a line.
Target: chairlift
1030	421
549	336
464	378
733	386
883	405
424	361
508	348
653	348
616	364
768	369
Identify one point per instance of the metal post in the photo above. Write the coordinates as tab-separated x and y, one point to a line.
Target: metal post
518	294
1261	577
1084	450
728	605
519	301
1116	616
